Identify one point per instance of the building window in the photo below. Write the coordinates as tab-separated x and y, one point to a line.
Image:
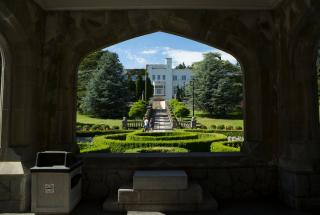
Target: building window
158	77
175	78
153	77
159	90
183	78
163	77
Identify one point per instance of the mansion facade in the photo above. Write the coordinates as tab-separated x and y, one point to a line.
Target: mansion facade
166	80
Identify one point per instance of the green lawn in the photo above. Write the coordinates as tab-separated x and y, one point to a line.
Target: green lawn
90	120
204	119
210	121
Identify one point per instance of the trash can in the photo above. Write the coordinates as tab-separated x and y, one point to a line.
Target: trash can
55	182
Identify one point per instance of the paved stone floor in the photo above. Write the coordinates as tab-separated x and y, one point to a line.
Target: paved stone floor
257	207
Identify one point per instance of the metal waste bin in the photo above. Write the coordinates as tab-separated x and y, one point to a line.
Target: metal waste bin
55	182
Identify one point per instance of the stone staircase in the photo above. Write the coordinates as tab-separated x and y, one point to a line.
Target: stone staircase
161	120
161	191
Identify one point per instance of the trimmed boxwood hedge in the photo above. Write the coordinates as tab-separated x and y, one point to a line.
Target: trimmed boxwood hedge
232	133
142	136
96	133
225	146
157	150
117	143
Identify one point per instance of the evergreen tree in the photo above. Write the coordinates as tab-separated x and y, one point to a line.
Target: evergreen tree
218	84
87	69
181	66
107	95
149	89
139	87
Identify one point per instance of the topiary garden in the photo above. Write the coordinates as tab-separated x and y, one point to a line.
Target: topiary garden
178	141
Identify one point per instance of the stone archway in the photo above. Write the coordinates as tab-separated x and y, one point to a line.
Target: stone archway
100	29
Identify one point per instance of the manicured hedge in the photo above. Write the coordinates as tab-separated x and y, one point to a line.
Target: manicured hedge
225	146
142	136
157	150
96	133
193	145
234	133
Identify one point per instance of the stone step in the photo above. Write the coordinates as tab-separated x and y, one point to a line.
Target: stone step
160	180
208	204
191	195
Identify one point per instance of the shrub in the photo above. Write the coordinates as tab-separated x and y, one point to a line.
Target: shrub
157	150
239	128
142	136
224	132
220	127
229	127
203	127
193	145
115	127
138	109
213	127
96	133
181	111
224	146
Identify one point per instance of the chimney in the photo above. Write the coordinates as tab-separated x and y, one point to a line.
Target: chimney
169	63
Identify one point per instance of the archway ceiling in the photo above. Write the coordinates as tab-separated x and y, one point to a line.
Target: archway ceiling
157	4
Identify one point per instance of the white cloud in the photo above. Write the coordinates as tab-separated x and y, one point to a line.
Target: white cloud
226	56
190	57
149	52
140	60
179	56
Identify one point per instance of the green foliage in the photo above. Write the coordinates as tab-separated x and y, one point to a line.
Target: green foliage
87	69
225	146
120	142
221	127
138	109
137	136
157	150
234	133
139	87
179	109
181	66
218	84
149	89
213	127
107	95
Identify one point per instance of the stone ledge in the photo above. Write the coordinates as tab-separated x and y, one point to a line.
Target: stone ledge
208	204
160	180
192	195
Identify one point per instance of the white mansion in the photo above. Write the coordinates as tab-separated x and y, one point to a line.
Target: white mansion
166	80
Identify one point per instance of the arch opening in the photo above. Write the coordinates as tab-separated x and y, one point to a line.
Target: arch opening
145	78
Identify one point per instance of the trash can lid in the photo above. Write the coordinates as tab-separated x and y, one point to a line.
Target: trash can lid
55	161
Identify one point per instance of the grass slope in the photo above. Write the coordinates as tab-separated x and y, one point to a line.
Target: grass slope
91	120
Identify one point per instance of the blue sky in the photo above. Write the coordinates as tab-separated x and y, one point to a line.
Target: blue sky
154	48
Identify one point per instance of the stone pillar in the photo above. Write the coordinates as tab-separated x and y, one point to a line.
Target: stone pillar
193	122
124	123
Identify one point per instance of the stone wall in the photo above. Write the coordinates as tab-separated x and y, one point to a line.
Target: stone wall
225	176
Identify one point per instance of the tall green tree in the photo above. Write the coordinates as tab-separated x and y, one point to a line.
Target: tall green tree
87	69
149	89
139	87
218	84
107	95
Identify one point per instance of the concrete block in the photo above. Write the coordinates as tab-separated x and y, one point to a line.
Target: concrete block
192	195
160	180
160	196
128	195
